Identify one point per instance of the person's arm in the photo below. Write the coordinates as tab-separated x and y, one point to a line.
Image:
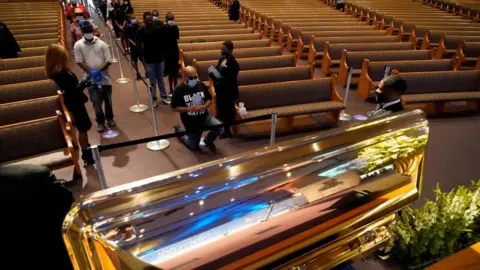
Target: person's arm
107	61
229	74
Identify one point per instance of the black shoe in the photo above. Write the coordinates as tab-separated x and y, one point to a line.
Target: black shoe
210	146
101	127
139	77
165	101
225	135
178	129
111	123
87	157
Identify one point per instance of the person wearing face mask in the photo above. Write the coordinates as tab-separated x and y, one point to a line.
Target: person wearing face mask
192	99
127	7
150	41
75	30
234	11
388	95
172	34
93	56
118	20
131	30
224	76
69	10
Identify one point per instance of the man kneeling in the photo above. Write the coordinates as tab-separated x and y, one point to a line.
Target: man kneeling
191	99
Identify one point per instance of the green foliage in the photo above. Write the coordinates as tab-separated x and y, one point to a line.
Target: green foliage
440	228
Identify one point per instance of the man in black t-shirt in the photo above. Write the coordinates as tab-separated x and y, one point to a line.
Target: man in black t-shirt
192	99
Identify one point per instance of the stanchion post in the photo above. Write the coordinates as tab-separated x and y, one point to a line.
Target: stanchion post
98	165
160	144
343	115
137	108
273	128
121	80
114	59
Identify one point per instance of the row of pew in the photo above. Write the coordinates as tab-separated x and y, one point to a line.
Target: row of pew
35	126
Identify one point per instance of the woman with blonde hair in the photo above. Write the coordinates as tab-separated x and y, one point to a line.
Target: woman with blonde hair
56	68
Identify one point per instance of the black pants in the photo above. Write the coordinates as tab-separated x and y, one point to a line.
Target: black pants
340	6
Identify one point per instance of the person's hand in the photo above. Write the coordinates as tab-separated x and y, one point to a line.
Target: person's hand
19	53
196	108
95	73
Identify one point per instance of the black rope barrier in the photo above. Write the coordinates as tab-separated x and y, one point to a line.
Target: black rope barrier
177	134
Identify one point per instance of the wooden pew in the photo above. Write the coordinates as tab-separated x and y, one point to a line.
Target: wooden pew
306	36
34	51
271	75
212	27
186	58
294	100
252	63
432	37
319	42
355	59
214	38
332	53
204	46
373	72
16	32
43	142
27	90
467	53
436	88
418	33
22	75
448	44
216	32
37	43
23	62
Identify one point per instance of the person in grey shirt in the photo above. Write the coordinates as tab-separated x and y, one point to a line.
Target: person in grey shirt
92	55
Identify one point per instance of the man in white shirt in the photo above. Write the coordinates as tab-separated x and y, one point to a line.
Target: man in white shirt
93	56
388	95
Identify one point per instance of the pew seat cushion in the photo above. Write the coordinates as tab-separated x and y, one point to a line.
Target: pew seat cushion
300	109
54	159
440	97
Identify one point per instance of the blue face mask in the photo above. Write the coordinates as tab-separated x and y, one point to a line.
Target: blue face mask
133	21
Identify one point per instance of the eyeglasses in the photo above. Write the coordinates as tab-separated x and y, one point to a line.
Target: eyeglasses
192	77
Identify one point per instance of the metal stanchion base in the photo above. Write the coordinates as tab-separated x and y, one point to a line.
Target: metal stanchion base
138	108
123	80
345	117
158	145
370	113
114	60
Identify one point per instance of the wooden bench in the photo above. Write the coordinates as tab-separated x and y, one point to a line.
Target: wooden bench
448	44
438	87
216	32
319	42
271	75
23	62
467	53
43	35
252	63
291	100
37	43
418	33
332	53
39	26
205	46
187	58
42	142
27	90
22	75
214	38
34	31
34	51
373	72
213	27
355	59
432	37
206	22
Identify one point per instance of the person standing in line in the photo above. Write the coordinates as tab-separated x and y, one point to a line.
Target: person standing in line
234	11
389	94
69	10
127	7
56	68
119	20
156	18
93	56
75	30
150	41
224	76
192	99
172	34
340	4
8	46
131	30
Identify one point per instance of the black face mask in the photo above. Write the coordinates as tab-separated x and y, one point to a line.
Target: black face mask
380	97
224	54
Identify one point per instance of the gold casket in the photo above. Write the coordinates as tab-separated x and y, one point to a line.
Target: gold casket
309	203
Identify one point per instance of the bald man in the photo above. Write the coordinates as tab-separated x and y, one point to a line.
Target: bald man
192	99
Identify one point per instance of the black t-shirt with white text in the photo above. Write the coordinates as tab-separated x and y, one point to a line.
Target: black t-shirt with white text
184	96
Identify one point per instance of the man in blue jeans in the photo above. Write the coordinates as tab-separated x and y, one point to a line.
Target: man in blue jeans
150	40
93	56
192	99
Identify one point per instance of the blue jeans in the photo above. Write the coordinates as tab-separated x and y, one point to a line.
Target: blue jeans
98	96
155	75
192	138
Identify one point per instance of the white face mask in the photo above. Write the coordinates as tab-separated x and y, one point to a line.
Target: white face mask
192	83
125	2
171	22
88	36
79	18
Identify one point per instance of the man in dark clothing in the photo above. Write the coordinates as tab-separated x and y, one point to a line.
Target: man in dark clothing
8	45
388	94
150	41
127	7
224	76
234	11
192	99
131	30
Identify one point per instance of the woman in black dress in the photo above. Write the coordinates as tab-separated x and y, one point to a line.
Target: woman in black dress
172	34
56	68
226	87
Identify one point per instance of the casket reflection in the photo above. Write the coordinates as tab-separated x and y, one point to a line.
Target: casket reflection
309	203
